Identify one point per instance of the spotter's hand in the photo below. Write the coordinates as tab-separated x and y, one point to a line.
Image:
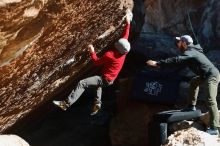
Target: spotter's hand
152	63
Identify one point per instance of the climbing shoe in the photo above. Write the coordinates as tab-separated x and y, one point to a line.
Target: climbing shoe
189	108
96	107
212	131
61	104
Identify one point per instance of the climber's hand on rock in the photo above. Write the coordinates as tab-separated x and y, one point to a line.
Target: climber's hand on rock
128	19
152	63
91	48
129	16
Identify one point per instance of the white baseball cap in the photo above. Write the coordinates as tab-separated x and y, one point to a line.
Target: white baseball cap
123	46
185	38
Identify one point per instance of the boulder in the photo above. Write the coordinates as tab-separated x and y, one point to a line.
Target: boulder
176	17
165	19
192	136
43	48
176	126
131	124
12	140
214	57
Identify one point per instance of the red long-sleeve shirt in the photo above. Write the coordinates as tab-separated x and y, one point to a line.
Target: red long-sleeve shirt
112	60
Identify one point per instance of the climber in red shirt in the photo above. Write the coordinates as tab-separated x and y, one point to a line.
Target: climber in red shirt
112	62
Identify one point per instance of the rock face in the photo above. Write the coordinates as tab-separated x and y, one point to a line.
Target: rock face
192	136
12	140
178	17
43	47
165	19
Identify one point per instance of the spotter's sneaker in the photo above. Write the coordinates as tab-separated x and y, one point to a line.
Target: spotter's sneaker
189	108
213	131
61	104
